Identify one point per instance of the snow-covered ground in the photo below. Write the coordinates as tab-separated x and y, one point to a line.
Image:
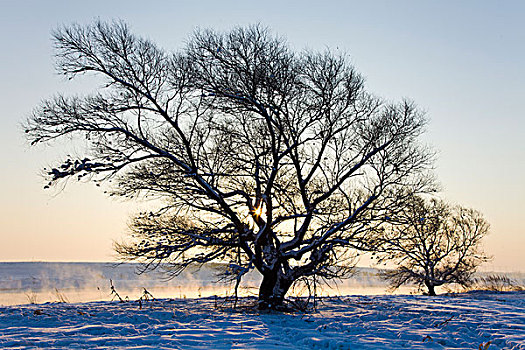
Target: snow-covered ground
353	322
186	315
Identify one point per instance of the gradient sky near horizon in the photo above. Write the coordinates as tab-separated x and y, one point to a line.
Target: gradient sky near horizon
463	62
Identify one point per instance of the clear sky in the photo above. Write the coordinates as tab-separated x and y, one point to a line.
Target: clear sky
461	61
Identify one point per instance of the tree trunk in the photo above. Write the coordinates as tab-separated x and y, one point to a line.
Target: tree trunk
272	290
430	287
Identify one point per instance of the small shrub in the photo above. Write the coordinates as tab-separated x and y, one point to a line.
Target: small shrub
114	292
484	346
145	297
61	298
496	283
31	297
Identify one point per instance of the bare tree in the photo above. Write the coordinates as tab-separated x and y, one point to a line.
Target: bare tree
433	243
265	158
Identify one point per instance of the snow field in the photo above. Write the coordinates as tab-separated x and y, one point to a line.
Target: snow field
461	321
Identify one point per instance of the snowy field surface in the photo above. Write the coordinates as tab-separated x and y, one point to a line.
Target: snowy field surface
186	315
463	321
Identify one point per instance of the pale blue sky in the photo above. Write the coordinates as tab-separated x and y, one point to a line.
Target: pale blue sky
461	61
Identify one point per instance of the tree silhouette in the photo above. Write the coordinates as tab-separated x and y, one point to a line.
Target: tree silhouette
264	157
433	243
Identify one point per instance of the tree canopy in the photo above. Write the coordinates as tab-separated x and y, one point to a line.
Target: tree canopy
264	157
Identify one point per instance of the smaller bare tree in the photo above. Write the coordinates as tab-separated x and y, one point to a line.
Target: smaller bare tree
432	243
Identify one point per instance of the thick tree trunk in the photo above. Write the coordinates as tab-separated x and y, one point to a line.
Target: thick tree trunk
430	287
272	290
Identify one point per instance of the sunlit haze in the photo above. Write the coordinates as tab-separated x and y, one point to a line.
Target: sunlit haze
462	62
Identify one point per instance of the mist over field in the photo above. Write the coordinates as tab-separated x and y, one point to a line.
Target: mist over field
26	282
40	282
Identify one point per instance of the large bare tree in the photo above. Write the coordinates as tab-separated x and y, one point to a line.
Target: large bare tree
433	243
264	157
